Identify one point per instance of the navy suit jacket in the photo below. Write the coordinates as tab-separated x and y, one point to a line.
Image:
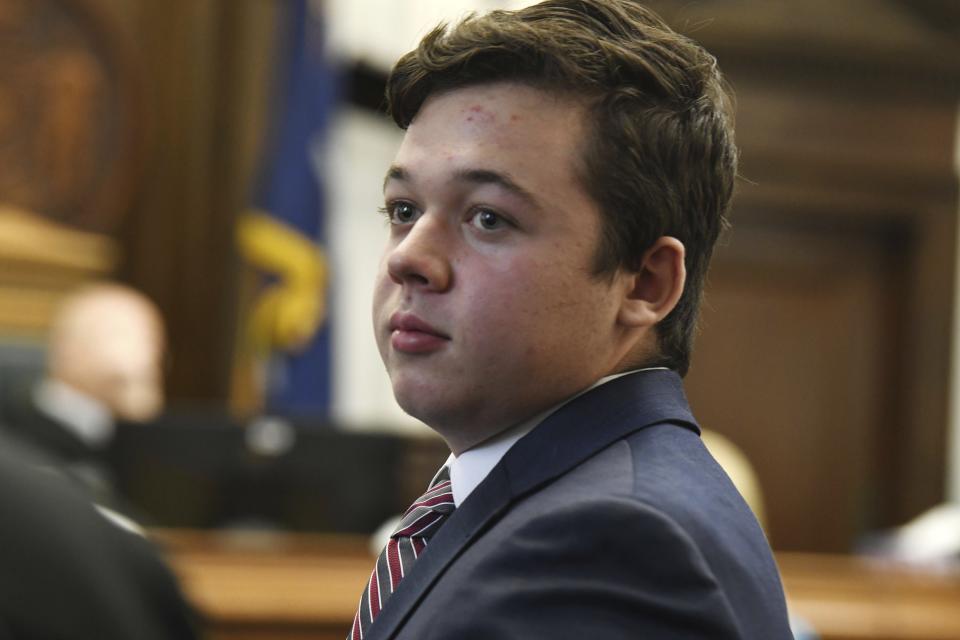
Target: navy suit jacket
609	520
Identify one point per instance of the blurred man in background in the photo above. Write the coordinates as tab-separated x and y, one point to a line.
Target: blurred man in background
72	567
104	364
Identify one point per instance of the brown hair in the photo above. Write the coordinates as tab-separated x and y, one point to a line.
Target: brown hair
659	156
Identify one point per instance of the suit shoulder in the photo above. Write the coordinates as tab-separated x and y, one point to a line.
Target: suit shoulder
595	566
675	475
671	470
660	490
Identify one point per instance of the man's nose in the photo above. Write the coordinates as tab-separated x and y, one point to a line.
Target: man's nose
422	257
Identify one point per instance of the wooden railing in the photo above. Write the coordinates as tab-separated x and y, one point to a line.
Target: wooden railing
850	598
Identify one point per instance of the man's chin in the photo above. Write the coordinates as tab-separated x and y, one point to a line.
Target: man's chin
429	403
416	404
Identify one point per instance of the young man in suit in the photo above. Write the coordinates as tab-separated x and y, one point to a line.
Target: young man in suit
565	173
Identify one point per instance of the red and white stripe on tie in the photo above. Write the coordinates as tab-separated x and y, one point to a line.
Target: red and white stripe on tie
406	543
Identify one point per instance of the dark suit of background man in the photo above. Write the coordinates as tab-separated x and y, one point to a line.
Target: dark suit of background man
68	573
565	173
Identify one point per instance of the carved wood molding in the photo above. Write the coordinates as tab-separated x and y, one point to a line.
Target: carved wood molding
40	262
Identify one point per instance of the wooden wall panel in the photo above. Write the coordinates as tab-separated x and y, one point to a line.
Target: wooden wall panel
791	365
834	297
203	70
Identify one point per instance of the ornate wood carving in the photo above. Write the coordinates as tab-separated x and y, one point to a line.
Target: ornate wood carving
66	115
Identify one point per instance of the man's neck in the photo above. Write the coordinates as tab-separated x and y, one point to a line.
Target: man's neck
468	468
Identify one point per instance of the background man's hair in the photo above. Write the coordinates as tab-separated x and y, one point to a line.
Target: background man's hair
659	156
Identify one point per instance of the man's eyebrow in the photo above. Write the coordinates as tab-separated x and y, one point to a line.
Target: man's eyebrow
487	176
474	176
395	173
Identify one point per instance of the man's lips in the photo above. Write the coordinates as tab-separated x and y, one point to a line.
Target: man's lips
410	334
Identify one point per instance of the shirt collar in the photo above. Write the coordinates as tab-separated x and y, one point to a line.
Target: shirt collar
77	412
470	468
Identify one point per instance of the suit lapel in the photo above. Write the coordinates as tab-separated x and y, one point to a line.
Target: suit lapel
594	421
563	440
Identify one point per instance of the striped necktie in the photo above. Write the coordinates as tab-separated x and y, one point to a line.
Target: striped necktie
405	545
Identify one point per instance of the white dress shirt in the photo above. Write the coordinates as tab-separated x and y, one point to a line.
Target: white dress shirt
78	413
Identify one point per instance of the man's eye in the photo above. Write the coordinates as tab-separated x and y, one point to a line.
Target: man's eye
488	220
401	212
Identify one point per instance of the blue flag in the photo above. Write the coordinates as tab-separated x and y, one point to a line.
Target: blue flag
283	235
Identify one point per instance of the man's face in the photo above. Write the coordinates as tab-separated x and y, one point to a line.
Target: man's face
486	311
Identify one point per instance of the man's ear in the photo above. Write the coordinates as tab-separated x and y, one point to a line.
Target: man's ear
655	288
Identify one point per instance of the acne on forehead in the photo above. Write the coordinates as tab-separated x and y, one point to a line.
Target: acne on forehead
515	129
477	113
